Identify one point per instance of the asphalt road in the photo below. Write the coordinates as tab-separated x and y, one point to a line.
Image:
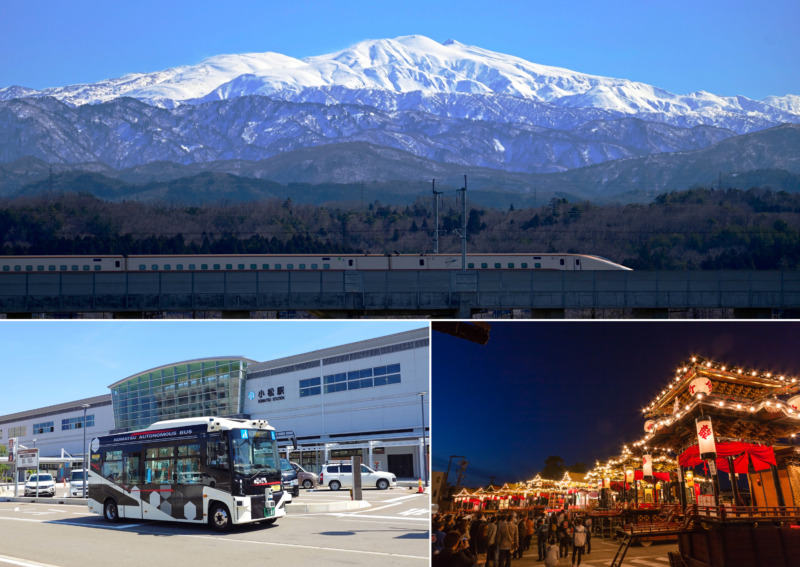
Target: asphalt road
393	531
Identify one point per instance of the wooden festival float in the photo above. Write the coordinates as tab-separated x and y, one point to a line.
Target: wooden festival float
738	425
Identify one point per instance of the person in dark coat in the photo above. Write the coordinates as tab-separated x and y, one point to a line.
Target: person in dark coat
455	553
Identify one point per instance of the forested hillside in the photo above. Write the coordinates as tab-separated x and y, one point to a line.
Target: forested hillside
696	229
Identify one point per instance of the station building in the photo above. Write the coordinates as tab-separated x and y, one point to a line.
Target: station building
368	399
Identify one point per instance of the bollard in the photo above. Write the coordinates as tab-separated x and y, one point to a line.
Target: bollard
351	494
420	491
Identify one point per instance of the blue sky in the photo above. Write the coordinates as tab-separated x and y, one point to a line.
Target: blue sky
52	362
733	47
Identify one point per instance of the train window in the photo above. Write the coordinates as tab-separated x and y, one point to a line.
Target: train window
265	266
51	268
86	268
28	268
178	266
326	266
350	262
74	268
422	262
470	265
63	268
537	257
315	266
497	265
98	267
6	268
216	266
577	261
302	266
155	266
253	266
228	266
203	266
561	261
39	268
511	264
142	267
328	259
277	266
484	265
290	266
116	264
241	267
537	265
192	267
167	266
524	265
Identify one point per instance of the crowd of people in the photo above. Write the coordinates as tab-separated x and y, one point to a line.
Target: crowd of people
465	540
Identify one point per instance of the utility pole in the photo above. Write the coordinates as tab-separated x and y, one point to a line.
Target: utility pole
464	227
436	214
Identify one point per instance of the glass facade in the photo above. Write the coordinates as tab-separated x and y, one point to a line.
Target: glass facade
189	389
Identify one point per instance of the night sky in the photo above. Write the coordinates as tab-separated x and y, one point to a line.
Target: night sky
573	389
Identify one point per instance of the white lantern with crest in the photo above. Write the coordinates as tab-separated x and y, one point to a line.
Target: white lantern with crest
700	386
650	426
794	403
647	466
705	438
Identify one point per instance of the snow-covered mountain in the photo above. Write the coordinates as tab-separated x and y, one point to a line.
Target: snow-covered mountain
447	102
415	64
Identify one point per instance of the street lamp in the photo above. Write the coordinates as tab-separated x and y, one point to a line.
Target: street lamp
424	443
85	467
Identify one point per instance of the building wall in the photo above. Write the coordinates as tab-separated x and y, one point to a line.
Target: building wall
388	408
50	443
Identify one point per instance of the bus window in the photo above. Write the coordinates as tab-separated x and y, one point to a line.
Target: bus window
112	465
217	454
158	465
131	466
188	464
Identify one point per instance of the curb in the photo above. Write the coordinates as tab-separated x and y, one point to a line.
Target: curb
59	501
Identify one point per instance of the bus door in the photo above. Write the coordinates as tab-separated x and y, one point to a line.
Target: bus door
132	481
188	496
158	488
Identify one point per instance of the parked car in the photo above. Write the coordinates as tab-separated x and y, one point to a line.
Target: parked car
76	480
338	475
46	485
305	478
289	478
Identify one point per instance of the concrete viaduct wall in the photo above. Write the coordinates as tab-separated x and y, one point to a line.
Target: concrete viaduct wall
426	293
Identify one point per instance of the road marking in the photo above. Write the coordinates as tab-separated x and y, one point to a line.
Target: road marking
646	562
315	547
401	498
22	562
415	512
368	518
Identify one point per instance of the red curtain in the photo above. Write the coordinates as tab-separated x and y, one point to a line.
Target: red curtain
761	456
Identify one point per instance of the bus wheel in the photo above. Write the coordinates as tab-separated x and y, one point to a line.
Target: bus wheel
335	485
220	518
110	510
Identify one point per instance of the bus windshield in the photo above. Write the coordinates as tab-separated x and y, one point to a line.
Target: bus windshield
254	451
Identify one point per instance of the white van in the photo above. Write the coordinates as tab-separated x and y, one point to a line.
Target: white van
338	475
76	480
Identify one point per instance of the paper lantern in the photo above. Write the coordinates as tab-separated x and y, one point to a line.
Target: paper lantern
647	465
629	476
690	479
700	386
705	438
794	403
650	425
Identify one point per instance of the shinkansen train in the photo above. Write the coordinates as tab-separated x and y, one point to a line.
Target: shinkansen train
305	262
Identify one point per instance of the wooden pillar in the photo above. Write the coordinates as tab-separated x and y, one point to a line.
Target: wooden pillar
778	490
737	498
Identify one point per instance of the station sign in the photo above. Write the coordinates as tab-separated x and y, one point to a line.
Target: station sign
28	459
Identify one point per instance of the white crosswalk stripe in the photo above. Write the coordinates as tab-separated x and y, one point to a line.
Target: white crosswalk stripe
415	512
647	562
